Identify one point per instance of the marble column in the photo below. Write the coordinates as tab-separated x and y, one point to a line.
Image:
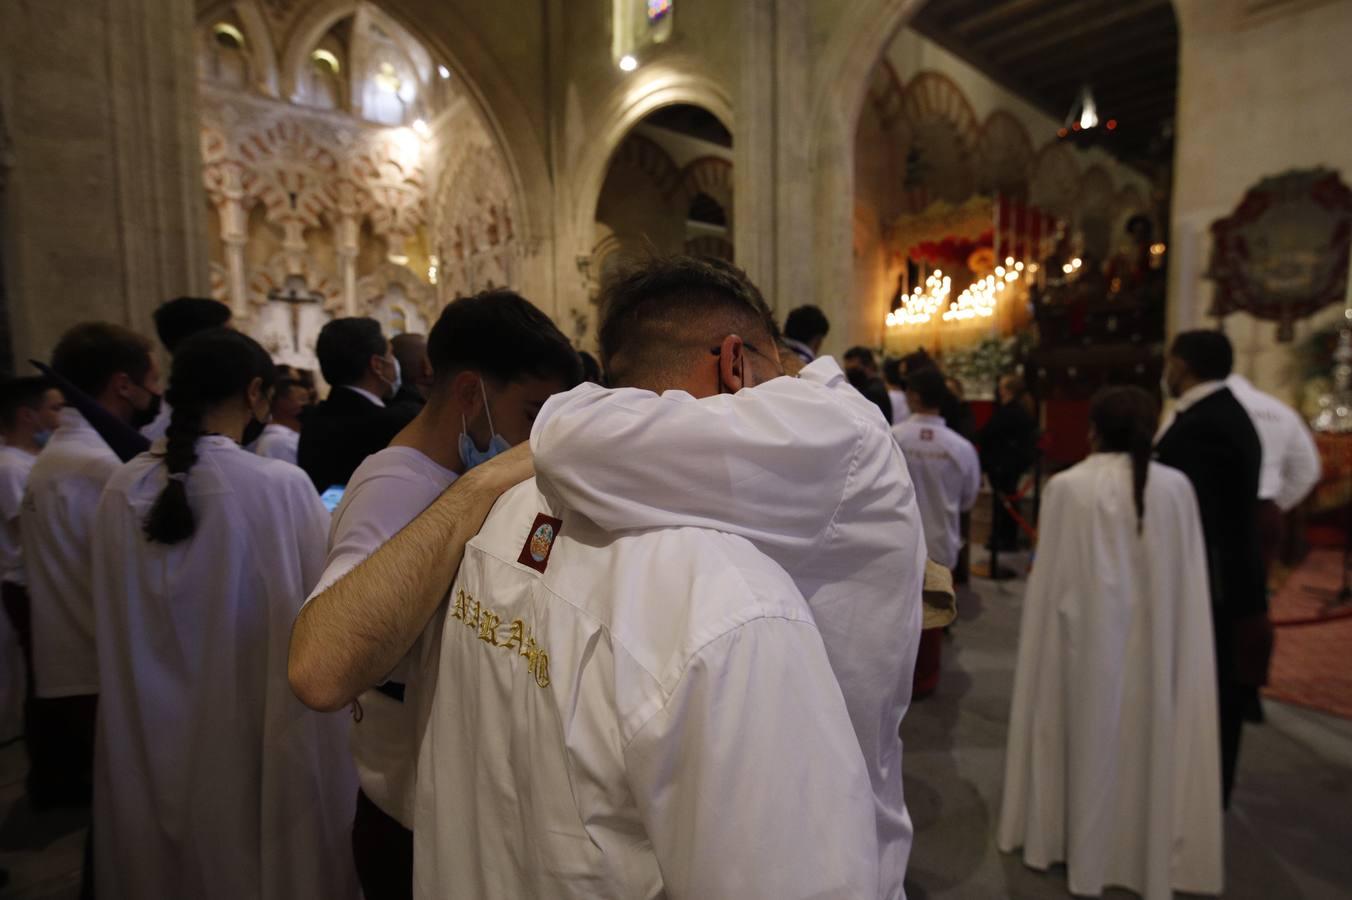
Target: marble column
104	201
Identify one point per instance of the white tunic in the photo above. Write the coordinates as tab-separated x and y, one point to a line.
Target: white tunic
15	466
388	490
57	519
806	470
1113	763
211	780
901	409
651	716
277	442
1291	465
947	475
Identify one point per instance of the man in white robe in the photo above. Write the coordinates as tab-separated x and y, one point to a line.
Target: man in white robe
115	368
1112	764
211	779
944	467
621	715
281	436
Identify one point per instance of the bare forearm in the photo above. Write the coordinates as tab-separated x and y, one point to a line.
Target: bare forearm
350	636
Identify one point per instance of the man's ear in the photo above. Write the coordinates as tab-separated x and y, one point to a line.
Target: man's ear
121	383
465	391
732	372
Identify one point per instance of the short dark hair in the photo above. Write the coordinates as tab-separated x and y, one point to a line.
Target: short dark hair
19	393
929	385
806	323
1207	354
650	306
892	371
863	355
345	348
502	335
91	353
179	319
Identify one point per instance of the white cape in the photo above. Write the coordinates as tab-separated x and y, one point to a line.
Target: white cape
1113	763
210	779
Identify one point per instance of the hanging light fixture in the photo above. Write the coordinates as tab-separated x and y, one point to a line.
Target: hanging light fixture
1083	112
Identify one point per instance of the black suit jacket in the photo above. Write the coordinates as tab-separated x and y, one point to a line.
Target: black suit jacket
341	432
1214	443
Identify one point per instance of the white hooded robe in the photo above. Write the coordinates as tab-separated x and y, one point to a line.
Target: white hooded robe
1113	762
211	779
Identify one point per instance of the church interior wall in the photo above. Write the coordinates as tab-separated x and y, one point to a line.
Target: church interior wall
1258	95
540	107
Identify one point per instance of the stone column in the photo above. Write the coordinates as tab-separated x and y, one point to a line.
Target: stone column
105	205
347	244
235	237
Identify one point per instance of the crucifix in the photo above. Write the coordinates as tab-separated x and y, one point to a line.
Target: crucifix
294	293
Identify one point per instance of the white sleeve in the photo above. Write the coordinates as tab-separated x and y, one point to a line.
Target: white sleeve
750	780
373	511
1300	464
770	463
12	483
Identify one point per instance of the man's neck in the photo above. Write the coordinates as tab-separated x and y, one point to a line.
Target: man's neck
919	411
435	433
22	440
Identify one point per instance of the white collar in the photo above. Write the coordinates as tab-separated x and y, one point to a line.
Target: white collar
365	393
803	349
1197	393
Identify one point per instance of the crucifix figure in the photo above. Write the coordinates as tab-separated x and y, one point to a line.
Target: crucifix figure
295	293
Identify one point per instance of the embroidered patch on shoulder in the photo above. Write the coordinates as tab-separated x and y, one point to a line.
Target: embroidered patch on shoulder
540	542
927	434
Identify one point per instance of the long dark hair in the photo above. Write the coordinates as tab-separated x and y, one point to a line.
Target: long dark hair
1124	419
209	368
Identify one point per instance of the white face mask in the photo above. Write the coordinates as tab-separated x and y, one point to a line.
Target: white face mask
470	454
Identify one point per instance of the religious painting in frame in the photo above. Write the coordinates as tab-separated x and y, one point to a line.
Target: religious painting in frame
1282	255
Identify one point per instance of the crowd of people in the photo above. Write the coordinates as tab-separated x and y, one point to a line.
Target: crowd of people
480	625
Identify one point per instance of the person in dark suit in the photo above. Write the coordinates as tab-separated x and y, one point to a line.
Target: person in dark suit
1008	445
415	370
1212	441
356	420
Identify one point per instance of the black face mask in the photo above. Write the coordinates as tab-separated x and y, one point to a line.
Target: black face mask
140	418
252	431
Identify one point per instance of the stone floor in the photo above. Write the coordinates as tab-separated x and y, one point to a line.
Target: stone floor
1289	835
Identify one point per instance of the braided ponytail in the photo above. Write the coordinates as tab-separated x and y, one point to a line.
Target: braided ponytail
170	519
210	368
1124	419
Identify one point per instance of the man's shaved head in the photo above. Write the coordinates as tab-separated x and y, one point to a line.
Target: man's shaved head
661	317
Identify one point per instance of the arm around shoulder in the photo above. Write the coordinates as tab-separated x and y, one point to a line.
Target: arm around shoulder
350	635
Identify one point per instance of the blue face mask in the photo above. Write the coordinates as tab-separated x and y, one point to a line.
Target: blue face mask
42	437
470	454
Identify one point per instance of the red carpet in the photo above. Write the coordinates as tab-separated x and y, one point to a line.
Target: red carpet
1312	664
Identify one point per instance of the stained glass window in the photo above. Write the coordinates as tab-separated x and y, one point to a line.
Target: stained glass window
658	10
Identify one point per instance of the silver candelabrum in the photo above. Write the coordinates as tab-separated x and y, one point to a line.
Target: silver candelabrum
1335	407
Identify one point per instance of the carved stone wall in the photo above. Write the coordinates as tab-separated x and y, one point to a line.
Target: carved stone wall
334	197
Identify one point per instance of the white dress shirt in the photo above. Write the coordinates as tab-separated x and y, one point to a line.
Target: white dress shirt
806	470
387	491
15	466
947	475
1291	466
57	519
365	393
638	716
901	408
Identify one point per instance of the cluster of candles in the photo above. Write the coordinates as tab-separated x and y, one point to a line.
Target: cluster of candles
977	301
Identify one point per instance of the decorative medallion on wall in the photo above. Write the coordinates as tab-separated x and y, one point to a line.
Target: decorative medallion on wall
1282	255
